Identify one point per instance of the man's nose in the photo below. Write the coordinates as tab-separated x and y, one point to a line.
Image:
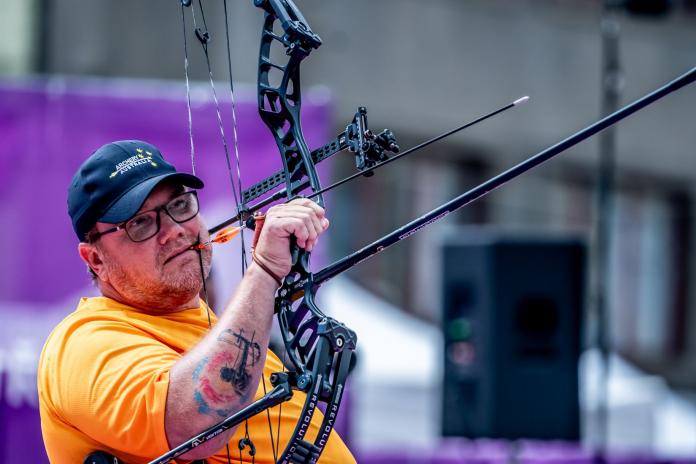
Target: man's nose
169	228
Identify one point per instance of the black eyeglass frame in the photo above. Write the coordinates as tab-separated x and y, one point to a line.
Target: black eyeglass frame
91	238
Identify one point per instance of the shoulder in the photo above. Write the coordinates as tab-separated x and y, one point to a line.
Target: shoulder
92	350
98	330
92	316
64	348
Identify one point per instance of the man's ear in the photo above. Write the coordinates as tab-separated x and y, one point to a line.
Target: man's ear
92	257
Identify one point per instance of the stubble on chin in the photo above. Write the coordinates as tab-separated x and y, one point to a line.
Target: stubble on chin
186	276
174	285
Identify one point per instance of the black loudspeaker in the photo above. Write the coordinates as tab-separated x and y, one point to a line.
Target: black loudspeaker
512	329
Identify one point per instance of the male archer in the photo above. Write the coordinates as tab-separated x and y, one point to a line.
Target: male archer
147	365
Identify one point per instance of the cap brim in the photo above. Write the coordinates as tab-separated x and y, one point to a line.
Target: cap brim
130	202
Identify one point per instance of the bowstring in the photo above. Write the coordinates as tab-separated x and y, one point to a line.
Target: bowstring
241	204
217	105
238	196
240	207
193	159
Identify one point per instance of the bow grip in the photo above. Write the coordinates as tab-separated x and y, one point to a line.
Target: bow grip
299	259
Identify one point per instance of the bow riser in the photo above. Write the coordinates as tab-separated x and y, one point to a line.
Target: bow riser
314	343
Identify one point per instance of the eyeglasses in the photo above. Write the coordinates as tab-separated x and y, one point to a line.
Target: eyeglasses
145	225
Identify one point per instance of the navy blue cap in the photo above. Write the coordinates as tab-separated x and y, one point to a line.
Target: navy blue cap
114	182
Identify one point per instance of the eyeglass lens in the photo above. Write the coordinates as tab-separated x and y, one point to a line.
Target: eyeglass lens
145	225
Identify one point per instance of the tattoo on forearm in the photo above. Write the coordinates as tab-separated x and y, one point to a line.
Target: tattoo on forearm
249	353
224	377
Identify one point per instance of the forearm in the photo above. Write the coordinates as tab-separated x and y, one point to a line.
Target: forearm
221	374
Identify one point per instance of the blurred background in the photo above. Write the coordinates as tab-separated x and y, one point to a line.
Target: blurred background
551	321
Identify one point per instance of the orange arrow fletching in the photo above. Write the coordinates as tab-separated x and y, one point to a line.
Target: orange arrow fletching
226	234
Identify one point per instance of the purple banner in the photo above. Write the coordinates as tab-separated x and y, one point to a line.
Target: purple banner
47	129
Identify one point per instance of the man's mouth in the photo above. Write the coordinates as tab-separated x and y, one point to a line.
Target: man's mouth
177	254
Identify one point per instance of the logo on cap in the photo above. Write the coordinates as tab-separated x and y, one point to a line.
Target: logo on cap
142	157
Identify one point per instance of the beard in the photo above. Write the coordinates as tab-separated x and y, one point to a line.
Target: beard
170	287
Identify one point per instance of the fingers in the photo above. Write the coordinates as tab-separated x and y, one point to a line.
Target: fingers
301	218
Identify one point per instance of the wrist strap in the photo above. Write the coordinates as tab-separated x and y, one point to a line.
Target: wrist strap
265	268
259	219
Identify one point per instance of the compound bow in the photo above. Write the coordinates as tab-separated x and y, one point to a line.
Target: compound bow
319	347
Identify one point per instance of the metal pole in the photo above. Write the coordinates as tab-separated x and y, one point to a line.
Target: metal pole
599	318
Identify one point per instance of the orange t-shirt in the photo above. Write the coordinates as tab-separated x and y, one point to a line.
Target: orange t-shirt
103	380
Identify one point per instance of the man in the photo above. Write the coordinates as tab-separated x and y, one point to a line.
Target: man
146	365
